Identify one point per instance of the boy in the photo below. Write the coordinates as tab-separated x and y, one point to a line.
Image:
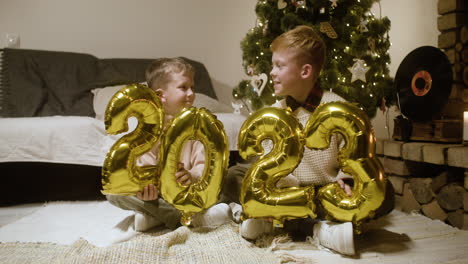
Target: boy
298	57
172	79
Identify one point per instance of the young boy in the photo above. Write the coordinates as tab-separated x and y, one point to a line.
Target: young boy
298	57
172	79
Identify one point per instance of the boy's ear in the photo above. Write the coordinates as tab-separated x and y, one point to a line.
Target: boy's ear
307	71
160	93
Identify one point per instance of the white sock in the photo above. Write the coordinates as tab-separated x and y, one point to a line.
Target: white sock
213	217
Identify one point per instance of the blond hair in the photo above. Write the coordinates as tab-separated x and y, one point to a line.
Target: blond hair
306	43
158	73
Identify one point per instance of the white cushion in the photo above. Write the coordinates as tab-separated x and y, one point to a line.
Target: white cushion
102	97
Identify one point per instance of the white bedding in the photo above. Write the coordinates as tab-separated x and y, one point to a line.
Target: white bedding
73	139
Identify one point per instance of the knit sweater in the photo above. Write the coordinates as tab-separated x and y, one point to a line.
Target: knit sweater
317	167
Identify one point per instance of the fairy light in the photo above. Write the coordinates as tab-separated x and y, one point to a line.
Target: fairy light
261	53
371	95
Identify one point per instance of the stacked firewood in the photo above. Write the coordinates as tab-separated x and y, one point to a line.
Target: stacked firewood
441	195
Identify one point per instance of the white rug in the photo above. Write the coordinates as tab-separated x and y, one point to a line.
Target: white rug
98	222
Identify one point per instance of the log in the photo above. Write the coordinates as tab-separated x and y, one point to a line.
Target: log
439	181
465	222
433	211
465	75
422	189
409	204
456	218
450	196
466	178
398	183
464	55
464	34
465	100
465	201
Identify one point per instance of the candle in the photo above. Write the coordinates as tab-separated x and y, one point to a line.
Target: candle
465	126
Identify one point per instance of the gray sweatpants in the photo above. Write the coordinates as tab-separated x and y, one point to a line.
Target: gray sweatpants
158	209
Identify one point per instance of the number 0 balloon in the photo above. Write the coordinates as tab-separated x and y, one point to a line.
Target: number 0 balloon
201	125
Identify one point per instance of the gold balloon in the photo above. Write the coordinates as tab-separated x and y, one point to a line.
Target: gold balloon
120	175
357	158
259	195
201	125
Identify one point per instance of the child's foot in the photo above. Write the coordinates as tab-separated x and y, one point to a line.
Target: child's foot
253	228
335	236
144	222
213	217
236	212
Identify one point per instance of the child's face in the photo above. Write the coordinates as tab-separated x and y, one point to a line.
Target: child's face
286	73
178	93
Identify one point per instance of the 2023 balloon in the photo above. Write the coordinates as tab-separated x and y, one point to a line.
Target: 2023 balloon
261	198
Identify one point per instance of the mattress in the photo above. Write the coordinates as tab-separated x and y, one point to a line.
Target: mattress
73	139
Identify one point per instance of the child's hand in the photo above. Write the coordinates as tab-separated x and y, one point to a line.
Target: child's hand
348	189
149	193
182	175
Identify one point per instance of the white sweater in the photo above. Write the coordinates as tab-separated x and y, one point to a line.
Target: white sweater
318	167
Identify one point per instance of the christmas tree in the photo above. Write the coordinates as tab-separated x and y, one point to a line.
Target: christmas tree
356	66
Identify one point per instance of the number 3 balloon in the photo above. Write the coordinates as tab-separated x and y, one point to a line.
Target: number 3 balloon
356	158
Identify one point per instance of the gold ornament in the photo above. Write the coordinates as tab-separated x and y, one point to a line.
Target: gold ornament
120	175
201	125
282	4
326	27
259	195
357	158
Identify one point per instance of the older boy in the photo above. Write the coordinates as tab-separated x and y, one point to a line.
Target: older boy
172	79
298	57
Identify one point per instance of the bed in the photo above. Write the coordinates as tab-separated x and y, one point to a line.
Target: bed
52	136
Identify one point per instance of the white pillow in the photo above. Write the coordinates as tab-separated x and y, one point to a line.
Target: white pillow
102	97
215	106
